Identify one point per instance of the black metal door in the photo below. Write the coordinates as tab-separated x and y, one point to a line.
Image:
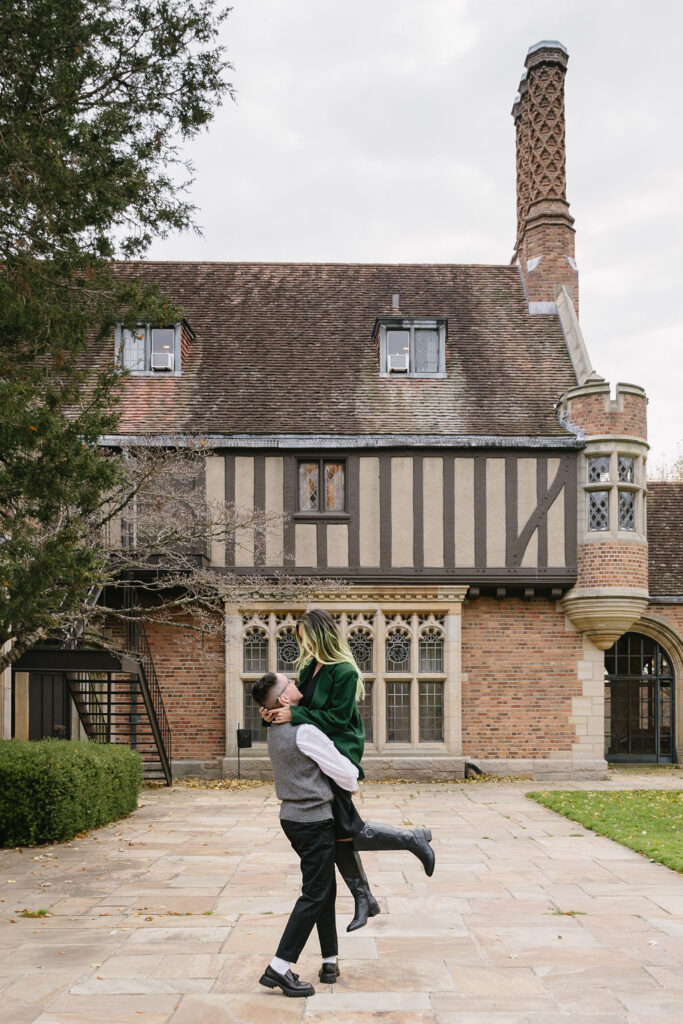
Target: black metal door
639	693
49	706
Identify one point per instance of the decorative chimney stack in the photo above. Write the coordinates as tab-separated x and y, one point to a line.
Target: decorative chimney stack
544	247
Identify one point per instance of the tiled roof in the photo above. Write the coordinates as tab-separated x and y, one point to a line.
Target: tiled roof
288	348
665	538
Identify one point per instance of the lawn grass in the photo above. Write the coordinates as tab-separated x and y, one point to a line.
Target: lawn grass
647	821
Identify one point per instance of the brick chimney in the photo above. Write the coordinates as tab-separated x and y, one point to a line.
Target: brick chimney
544	248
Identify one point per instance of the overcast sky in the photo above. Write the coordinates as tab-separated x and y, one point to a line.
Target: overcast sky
380	131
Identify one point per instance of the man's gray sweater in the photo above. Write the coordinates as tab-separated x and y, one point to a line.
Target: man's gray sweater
305	792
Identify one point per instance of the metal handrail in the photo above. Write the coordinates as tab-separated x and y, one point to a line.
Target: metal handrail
138	645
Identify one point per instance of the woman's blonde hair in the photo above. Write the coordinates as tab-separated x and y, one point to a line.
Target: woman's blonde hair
320	639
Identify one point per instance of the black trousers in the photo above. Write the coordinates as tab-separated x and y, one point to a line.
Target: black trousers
314	843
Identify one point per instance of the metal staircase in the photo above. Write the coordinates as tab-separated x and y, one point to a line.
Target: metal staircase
127	706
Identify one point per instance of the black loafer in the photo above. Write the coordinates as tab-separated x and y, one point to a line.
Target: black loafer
288	982
329	973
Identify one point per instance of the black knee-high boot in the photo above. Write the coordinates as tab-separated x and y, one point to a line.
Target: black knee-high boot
351	869
376	836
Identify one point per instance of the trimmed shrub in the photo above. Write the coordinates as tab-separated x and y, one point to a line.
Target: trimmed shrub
52	789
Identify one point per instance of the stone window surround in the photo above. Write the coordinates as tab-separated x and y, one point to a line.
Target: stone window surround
380	617
613	447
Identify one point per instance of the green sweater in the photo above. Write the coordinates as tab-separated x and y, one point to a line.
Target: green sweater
334	710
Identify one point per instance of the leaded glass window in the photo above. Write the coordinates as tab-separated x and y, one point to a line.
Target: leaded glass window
309	486
431	651
251	716
321	486
626	469
598	469
334	487
255	652
627	510
398	652
598	510
430	712
398	712
287	651
365	707
426	351
360	642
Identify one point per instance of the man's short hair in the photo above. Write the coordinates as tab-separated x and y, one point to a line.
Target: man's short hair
262	688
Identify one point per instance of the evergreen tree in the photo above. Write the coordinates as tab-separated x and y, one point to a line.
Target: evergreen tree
97	99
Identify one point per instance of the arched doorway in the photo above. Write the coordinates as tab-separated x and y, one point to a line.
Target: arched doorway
639	699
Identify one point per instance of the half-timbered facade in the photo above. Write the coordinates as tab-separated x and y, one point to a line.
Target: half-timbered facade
435	438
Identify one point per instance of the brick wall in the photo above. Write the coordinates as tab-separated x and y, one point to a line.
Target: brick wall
597	414
612	564
191	674
554	243
521	674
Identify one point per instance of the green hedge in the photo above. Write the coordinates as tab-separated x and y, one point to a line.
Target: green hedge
53	789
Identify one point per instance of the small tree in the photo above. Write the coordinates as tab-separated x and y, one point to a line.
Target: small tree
142	553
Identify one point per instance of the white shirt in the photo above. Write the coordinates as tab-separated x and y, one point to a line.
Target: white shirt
320	748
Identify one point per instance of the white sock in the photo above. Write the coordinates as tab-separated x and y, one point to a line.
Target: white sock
329	959
281	966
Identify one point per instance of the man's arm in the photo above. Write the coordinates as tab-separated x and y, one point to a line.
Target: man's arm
320	748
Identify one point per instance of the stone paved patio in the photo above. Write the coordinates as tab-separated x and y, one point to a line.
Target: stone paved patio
170	916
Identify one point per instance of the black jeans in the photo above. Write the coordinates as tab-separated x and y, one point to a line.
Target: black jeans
314	842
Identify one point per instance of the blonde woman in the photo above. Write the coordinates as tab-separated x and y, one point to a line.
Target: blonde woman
331	685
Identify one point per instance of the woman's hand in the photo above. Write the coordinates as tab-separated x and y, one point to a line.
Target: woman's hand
281	715
267	714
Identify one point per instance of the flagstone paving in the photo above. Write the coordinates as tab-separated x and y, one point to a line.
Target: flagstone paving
169	917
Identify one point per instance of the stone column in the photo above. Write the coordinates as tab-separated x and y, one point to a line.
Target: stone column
453	684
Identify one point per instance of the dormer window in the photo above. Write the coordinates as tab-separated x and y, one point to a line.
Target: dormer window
411	348
152	350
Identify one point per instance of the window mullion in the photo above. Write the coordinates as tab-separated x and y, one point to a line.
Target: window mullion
411	361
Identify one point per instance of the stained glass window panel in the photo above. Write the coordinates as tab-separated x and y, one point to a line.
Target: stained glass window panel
334	486
309	486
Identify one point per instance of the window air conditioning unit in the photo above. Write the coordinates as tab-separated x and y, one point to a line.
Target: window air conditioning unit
162	360
398	363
